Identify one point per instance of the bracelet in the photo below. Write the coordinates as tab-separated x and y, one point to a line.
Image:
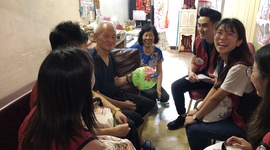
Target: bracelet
115	110
127	79
159	89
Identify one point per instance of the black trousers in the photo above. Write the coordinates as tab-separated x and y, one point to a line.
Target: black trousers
180	86
143	105
152	94
133	135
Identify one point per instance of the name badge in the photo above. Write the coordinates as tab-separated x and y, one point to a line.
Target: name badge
198	61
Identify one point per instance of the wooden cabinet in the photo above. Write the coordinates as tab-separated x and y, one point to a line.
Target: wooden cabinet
187	29
188	17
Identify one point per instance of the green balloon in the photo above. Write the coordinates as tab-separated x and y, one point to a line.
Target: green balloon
144	78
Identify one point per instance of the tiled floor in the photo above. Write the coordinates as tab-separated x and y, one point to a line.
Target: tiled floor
174	67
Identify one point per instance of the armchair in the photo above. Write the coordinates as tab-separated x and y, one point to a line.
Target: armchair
126	61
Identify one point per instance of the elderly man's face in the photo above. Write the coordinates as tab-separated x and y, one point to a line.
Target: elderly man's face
106	39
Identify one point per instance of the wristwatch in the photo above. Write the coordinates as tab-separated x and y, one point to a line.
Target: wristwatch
195	118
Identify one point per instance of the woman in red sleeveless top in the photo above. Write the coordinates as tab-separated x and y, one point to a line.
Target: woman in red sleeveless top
64	104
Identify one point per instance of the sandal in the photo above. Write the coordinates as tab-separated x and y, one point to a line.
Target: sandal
148	146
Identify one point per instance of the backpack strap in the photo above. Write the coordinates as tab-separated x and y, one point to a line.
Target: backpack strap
86	142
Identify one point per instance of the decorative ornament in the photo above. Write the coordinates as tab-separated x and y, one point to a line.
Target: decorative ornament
139	4
182	48
144	5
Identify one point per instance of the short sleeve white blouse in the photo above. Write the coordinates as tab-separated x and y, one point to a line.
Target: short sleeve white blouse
237	82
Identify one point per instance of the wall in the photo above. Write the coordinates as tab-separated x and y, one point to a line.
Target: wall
116	9
244	10
174	8
24	28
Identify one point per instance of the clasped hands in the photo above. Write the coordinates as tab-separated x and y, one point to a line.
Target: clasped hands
122	129
189	117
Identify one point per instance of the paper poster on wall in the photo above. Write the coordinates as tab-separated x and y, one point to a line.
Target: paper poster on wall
262	31
139	15
87	10
161	13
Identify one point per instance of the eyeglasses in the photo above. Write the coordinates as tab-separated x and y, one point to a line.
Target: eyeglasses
249	71
229	35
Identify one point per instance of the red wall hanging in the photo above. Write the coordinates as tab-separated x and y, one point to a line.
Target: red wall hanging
143	5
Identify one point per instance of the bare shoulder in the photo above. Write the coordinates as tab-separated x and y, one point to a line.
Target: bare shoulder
95	145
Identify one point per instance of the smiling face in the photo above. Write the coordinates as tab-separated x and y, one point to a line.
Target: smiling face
206	28
148	39
106	39
259	82
226	40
